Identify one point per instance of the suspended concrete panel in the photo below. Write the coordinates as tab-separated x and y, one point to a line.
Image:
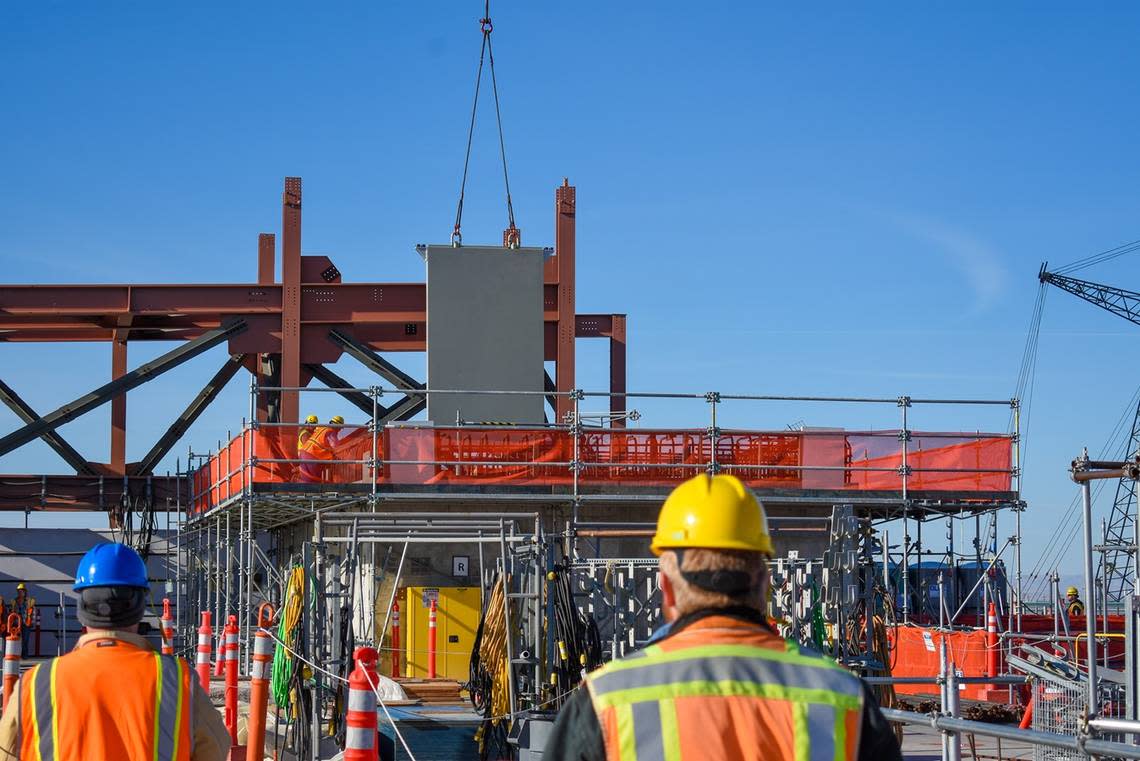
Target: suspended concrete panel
485	333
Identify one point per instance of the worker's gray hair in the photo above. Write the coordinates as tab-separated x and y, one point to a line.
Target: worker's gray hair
690	597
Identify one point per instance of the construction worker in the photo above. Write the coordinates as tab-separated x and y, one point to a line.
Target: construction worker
1074	606
306	430
317	450
24	606
720	684
113	696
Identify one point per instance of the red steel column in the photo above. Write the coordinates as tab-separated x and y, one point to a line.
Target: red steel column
617	370
266	275
119	409
565	204
291	297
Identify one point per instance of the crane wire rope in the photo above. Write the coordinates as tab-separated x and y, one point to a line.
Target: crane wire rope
1067	530
485	53
1103	256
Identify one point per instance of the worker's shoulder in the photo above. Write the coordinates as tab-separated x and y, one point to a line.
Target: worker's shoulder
810	657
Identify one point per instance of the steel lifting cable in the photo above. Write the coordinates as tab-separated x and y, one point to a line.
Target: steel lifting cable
485	53
1103	256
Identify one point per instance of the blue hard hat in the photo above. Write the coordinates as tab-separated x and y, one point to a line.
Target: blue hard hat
111	565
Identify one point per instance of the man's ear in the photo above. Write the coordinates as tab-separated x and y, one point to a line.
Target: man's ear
668	598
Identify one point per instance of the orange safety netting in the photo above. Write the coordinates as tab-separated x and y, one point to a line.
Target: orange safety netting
836	460
914	653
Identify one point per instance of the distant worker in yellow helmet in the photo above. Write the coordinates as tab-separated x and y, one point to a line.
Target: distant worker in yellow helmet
306	430
24	606
721	685
1073	604
318	449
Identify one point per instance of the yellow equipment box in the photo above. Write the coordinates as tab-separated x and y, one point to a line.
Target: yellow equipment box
457	618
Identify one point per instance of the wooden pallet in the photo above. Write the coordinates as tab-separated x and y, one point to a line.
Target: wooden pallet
432	691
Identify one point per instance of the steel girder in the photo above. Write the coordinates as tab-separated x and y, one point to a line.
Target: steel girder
106	392
183	422
52	438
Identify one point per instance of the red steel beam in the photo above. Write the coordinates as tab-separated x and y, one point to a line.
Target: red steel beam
565	207
291	297
118	409
617	371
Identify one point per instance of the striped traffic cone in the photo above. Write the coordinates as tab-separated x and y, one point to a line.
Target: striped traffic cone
360	742
231	658
167	628
259	684
11	657
205	633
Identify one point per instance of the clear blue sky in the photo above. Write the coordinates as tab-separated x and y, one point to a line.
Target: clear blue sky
830	202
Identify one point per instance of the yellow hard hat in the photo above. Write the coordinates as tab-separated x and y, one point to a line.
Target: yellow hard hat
337	420
21	586
1072	591
713	512
312	419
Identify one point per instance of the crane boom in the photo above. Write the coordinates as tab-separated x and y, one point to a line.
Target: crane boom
1117	563
1120	302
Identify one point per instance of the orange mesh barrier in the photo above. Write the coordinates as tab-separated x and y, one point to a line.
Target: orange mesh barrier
834	460
914	652
937	462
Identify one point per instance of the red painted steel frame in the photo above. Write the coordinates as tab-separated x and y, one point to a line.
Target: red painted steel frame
290	319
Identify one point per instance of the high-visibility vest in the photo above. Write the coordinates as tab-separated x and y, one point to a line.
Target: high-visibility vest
729	690
317	444
107	699
1076	608
25	609
302	437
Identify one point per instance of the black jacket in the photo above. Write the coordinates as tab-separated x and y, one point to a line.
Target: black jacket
577	735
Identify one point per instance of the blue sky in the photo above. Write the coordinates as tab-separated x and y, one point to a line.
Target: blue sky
836	201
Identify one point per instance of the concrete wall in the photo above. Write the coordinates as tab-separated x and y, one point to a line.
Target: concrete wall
46	559
485	332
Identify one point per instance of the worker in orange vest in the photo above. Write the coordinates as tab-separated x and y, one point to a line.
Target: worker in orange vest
306	431
113	696
24	606
721	684
317	449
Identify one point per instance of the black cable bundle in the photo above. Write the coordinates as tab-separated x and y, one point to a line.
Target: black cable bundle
577	643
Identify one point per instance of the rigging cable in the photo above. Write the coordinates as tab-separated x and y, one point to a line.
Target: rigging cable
486	53
1103	256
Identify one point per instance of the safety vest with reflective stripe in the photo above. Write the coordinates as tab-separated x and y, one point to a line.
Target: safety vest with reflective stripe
107	700
729	690
316	445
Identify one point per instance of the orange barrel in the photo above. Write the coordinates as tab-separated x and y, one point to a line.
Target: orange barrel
360	742
992	650
11	657
167	628
205	633
259	684
231	658
395	643
431	641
